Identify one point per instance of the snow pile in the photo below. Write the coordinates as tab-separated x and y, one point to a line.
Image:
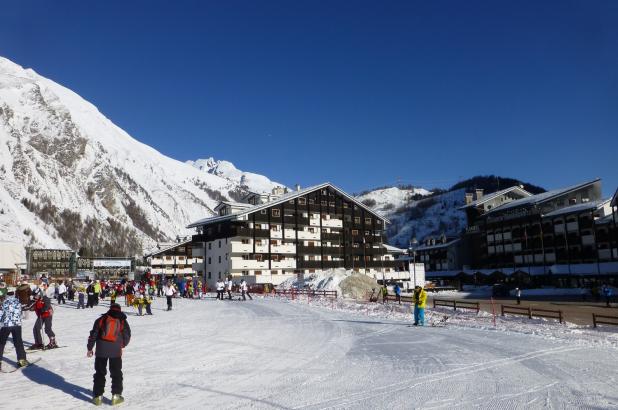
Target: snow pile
469	291
347	283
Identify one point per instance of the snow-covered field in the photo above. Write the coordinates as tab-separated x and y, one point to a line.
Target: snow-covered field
275	353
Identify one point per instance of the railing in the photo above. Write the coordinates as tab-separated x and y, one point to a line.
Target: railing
461	304
307	292
405	299
604	320
530	312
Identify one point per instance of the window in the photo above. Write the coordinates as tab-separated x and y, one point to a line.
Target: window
324	230
311	202
275	228
302	201
209	275
226	256
311	257
291	201
354	231
274	242
209	261
275	272
258	257
367	232
274	258
331	204
311	243
378	222
345	204
357	219
276	212
245	257
263	211
368	221
210	245
356	257
169	258
219	243
245	272
257	272
219	275
355	245
323	203
258	242
245	241
312	230
219	258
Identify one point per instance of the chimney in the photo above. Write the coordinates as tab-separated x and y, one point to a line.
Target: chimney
469	198
297	187
479	194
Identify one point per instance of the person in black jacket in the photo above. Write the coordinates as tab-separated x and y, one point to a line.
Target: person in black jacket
111	333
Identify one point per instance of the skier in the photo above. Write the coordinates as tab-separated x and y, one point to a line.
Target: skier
81	295
228	287
90	294
398	293
244	290
518	295
129	293
169	291
220	287
97	292
384	294
10	324
111	333
62	290
148	304
607	292
200	290
420	301
44	312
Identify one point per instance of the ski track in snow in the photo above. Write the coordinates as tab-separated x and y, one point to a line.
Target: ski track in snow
279	354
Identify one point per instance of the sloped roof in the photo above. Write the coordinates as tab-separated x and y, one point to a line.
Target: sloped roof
284	198
585	206
393	249
615	198
540	198
437	245
158	251
11	254
496	194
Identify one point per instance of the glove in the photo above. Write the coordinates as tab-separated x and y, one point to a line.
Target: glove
90	353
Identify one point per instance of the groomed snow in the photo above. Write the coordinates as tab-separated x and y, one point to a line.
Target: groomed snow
318	354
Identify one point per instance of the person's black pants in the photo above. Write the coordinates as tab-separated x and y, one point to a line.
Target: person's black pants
15	332
40	322
61	299
169	302
96	299
115	371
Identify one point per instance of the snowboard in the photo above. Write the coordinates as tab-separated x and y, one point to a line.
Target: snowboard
21	368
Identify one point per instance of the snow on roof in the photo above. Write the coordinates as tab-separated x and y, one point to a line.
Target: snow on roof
584	206
496	194
158	251
284	198
393	249
539	198
11	254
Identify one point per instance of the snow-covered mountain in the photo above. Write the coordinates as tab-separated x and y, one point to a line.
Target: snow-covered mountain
71	178
417	213
247	180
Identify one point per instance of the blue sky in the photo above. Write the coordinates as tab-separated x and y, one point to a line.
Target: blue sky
361	94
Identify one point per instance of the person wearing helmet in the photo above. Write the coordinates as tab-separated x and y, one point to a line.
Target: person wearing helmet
44	312
420	301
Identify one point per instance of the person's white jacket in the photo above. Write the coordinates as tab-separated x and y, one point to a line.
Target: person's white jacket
169	290
62	289
243	286
220	286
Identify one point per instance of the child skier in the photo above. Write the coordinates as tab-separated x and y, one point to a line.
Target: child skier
111	333
81	296
44	312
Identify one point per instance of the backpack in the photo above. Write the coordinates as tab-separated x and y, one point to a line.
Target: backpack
110	328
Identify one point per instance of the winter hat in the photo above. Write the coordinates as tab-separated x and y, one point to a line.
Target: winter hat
115	306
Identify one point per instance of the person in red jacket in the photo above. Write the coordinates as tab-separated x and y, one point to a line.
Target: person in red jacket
111	333
44	313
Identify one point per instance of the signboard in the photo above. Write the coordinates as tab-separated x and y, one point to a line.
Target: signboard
111	263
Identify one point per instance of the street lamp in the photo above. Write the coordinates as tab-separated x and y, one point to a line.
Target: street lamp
412	250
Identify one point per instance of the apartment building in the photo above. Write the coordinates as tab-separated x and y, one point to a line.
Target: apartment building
268	238
175	259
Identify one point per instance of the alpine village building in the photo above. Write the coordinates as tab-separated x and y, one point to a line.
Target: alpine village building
269	238
563	237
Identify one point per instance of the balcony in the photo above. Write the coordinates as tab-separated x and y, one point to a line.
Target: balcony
308	235
314	221
289	234
245	264
287	248
303	264
330	236
284	264
276	234
239	247
332	223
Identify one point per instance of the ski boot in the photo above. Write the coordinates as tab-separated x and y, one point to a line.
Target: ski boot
97	401
23	363
52	343
36	347
117	399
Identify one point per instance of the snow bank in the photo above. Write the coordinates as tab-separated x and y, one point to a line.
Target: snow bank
347	283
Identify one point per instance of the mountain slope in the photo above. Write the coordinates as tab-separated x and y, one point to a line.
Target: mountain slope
71	178
225	169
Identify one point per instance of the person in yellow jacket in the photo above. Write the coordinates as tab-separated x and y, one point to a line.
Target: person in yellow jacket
420	301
